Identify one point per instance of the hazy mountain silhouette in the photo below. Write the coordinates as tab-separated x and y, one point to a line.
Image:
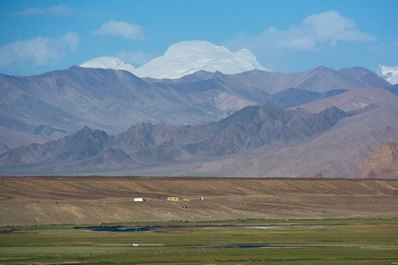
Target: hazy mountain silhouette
146	144
48	106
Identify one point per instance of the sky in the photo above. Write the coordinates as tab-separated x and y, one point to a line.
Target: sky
285	35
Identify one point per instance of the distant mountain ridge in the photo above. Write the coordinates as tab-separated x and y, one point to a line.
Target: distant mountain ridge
319	79
145	144
48	106
336	153
256	141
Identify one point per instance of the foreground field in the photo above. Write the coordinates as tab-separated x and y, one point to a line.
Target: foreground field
82	200
349	241
273	221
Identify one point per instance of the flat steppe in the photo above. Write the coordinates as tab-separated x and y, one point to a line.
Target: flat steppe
91	200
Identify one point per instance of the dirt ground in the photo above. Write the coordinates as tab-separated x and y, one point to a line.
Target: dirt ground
83	200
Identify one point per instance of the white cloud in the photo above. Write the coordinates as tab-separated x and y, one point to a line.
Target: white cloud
38	50
332	27
134	57
121	29
56	10
324	28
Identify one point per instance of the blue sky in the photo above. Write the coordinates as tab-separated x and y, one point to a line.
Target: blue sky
285	35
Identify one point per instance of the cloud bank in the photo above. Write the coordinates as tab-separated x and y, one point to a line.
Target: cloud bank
323	28
38	50
121	29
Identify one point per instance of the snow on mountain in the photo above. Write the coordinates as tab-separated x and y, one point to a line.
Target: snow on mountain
108	63
389	73
186	57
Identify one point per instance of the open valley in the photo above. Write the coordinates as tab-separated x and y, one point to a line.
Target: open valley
157	220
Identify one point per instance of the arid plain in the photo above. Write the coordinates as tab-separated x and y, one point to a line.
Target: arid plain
91	200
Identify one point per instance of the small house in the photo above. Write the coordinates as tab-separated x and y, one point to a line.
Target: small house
173	199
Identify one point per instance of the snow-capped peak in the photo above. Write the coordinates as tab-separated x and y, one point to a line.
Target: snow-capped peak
186	57
183	58
389	73
108	63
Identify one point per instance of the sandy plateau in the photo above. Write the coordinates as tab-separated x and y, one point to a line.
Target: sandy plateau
90	200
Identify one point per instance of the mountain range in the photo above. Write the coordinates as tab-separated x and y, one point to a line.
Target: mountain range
146	144
337	153
187	57
35	109
257	141
321	122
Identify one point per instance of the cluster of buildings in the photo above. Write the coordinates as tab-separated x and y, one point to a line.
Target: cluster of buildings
170	199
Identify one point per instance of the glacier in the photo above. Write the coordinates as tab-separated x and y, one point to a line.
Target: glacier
183	58
389	73
107	62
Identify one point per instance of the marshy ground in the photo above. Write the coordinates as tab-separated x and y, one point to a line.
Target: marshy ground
332	241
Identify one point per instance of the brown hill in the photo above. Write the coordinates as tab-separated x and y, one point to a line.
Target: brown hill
353	100
44	200
337	153
382	163
147	145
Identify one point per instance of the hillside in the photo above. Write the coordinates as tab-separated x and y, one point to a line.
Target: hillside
93	200
64	101
338	152
35	109
146	145
382	162
354	100
261	141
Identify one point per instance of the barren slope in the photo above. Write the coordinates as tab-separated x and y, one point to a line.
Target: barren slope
382	163
44	200
353	100
339	152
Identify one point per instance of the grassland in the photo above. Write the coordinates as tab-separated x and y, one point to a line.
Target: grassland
345	241
47	220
